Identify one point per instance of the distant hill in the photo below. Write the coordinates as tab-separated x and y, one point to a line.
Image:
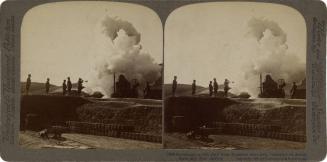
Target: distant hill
186	90
182	89
37	88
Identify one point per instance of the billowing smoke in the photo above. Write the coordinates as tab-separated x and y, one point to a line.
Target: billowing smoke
258	27
123	55
113	26
270	55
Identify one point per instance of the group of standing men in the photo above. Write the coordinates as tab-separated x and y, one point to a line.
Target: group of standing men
213	88
66	86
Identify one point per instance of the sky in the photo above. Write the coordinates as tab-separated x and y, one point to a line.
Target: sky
61	39
202	41
211	40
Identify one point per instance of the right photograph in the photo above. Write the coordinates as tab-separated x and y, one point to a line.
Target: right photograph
235	77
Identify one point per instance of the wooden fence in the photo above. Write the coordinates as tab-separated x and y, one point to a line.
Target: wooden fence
111	130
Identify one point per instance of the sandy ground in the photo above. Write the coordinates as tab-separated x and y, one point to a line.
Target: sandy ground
228	142
31	140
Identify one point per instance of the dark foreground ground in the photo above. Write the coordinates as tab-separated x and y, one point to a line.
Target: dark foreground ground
31	140
228	142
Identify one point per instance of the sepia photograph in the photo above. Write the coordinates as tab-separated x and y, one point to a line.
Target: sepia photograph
168	80
235	77
91	76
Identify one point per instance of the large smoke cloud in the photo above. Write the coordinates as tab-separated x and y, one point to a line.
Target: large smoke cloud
257	28
123	55
114	25
270	55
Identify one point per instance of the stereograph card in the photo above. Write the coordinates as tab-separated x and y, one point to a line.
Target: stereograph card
138	80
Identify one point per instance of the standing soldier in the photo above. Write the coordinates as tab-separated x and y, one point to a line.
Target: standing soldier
226	87
293	90
28	83
210	89
215	87
64	88
193	87
80	86
135	87
69	85
147	90
174	85
47	86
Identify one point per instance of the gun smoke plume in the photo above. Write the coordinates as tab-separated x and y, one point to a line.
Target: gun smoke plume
270	55
123	55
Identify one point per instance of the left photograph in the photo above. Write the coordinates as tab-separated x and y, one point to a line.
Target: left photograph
91	77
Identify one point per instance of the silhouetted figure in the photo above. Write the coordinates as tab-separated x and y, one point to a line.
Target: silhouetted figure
193	87
215	87
47	86
147	90
226	87
28	83
293	90
135	87
270	88
210	89
123	87
281	91
174	87
64	88
80	86
69	85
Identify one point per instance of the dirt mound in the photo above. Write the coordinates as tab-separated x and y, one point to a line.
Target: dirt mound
193	111
185	113
48	110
